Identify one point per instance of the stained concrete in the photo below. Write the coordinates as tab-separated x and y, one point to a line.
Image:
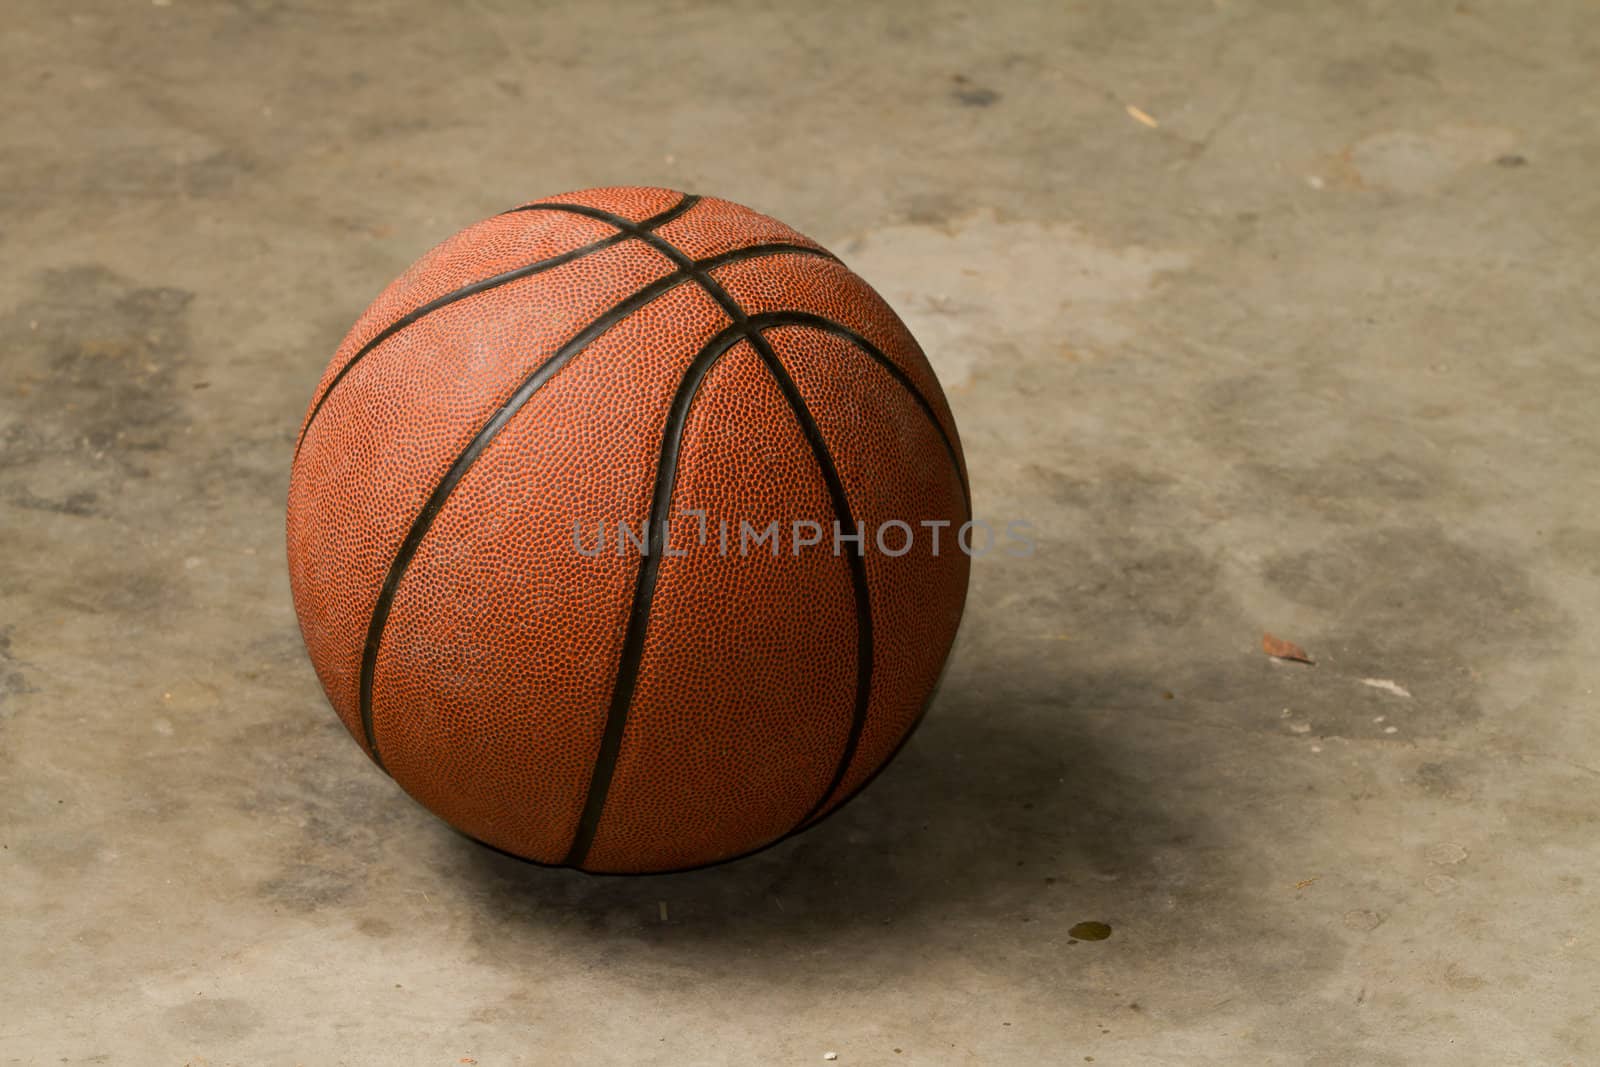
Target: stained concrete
1302	343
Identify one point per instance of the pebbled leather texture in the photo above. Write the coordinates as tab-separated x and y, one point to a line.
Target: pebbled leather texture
577	360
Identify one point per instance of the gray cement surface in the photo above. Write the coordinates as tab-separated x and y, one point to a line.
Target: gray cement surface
1270	317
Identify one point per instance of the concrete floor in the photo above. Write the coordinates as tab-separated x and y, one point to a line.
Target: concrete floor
1307	348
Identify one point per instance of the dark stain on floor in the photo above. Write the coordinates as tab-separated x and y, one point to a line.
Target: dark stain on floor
335	812
968	94
96	360
1394	600
13	682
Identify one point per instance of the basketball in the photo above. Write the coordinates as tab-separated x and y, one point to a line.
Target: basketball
625	531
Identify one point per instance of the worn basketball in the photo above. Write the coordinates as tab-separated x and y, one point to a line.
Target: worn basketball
623	531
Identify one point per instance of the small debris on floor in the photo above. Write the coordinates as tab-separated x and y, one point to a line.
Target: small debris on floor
830	1055
1278	648
1387	686
661	909
1090	931
1140	115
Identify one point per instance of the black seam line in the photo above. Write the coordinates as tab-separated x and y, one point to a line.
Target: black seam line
700	271
628	668
632	654
483	284
531	384
860	788
450	298
647	234
773	319
858	565
776	319
621	222
754	325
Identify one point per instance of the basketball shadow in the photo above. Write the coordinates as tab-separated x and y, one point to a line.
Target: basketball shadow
996	810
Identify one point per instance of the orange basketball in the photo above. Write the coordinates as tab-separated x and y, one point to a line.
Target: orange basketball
623	531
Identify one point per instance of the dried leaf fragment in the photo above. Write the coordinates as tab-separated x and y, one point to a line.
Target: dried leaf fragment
1278	648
